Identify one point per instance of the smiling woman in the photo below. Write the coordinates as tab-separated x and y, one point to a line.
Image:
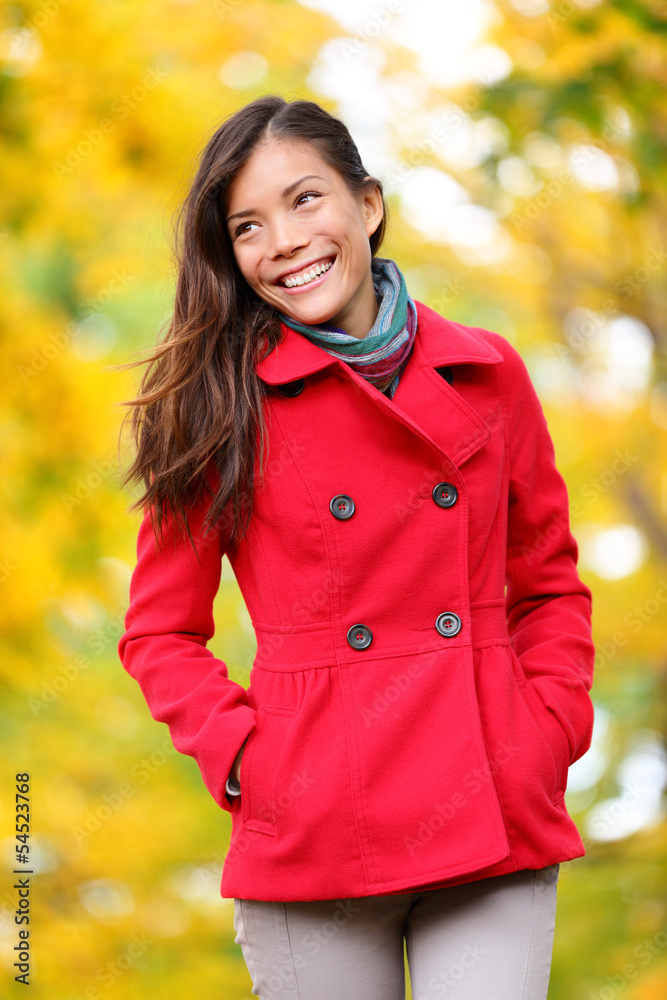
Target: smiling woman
424	654
280	187
304	247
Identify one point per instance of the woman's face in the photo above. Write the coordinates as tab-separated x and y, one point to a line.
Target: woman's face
289	212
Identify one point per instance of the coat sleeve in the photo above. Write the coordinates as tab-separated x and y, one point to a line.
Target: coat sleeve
548	606
167	625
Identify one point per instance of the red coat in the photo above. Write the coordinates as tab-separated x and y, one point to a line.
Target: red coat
438	752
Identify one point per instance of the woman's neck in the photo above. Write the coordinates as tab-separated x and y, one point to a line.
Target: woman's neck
359	315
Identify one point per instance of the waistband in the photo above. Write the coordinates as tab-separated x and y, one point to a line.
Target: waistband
297	647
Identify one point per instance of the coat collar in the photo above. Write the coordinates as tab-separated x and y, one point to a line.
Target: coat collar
438	341
422	393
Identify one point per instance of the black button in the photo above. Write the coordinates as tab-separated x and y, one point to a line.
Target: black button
342	506
445	494
292	388
446	373
448	623
359	636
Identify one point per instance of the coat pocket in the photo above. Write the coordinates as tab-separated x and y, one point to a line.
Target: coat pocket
548	723
260	767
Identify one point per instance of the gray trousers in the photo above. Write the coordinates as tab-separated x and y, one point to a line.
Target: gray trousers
486	940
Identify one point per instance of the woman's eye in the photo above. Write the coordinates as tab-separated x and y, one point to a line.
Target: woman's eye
239	229
308	194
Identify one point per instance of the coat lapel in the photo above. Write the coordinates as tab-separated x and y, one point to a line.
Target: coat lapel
424	401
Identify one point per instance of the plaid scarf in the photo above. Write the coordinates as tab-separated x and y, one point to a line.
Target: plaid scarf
380	357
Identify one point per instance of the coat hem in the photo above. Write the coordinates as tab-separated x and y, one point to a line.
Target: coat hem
385	887
504	867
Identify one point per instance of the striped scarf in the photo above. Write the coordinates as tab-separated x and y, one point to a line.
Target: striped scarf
380	357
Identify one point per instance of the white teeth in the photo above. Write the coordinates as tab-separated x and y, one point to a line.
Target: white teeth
307	276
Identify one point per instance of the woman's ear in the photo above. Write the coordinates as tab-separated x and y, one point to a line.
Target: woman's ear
373	209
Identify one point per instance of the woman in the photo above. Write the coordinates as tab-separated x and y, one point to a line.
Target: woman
382	480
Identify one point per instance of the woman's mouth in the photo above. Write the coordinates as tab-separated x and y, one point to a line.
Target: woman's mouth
309	277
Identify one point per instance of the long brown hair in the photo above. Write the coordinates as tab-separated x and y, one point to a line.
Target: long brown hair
199	411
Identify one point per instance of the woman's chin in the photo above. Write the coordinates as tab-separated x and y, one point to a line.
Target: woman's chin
310	317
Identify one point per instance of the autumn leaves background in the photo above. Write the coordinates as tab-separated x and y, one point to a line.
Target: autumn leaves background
522	147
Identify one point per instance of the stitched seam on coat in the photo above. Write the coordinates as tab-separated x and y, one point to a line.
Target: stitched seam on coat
500	542
342	652
463	581
292	629
474	707
475	713
268	568
508	445
270	417
508	457
316	508
353	741
355	804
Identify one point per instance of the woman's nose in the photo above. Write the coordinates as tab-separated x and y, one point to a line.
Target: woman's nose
286	238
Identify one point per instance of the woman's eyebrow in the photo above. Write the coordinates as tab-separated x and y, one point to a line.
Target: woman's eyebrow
288	190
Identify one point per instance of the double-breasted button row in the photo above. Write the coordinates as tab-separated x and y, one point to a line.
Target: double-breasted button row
360	636
342	505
